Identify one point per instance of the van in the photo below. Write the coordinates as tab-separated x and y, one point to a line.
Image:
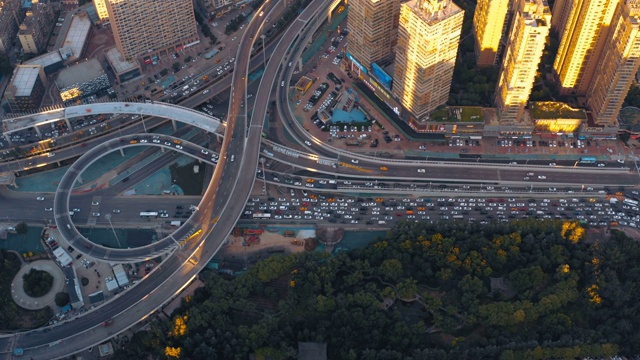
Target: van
282	84
290	64
68	226
381	222
233	157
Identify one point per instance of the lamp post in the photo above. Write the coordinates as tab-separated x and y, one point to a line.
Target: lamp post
264	53
108	216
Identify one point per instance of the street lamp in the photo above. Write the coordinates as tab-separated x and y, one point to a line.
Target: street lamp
108	216
144	126
264	53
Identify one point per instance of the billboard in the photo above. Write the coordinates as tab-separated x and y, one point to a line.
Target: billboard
381	75
356	63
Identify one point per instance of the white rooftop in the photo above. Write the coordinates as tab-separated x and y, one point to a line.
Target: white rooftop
78	33
24	78
117	61
45	59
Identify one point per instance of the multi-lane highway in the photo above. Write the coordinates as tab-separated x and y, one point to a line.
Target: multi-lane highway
215	211
232	179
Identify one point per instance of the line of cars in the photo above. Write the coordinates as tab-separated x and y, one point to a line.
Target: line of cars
350	210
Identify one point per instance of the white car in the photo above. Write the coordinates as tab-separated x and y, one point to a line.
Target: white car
542	177
421	171
40	198
205	92
354	161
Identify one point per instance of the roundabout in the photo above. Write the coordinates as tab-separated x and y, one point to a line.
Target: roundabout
36	303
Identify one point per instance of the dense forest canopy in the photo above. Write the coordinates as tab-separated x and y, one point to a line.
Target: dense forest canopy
519	290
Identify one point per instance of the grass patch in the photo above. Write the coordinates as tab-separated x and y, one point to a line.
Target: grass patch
13	317
190	182
458	114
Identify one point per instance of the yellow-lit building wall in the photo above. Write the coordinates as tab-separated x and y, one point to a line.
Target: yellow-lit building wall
488	22
428	38
583	37
101	9
617	68
529	31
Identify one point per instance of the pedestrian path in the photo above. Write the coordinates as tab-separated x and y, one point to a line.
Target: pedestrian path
30	303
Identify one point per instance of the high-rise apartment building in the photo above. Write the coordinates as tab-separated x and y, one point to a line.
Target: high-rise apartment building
373	30
428	38
11	16
617	66
151	27
101	9
489	23
527	37
585	25
36	28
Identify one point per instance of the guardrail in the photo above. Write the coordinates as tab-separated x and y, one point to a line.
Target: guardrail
414	163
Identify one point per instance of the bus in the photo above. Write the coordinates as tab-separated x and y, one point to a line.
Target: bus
262	215
588	160
148	214
630	202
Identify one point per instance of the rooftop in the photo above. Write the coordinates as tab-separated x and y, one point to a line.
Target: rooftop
555	110
80	73
433	11
24	77
117	61
46	59
78	33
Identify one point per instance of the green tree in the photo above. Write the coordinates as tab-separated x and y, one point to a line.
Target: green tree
22	228
37	283
391	269
176	66
62	299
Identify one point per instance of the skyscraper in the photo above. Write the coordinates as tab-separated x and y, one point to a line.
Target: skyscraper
489	21
428	38
527	37
373	29
586	24
617	66
151	27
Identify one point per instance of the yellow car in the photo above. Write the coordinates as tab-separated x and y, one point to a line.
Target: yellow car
309	180
383	168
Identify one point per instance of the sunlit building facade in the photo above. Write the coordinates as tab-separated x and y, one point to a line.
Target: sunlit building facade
527	37
617	66
428	38
101	9
584	26
373	29
489	23
150	27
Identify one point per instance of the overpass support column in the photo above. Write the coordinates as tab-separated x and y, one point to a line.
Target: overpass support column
299	64
68	124
122	152
174	124
40	133
6	137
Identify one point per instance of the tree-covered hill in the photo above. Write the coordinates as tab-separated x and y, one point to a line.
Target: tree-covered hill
517	290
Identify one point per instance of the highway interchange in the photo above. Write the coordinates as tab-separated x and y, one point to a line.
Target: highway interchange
239	155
